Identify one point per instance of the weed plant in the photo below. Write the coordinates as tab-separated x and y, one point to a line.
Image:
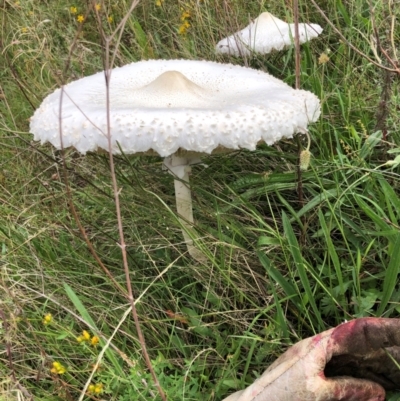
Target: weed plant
289	254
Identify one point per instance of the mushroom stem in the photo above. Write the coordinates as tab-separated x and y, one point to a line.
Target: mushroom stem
180	167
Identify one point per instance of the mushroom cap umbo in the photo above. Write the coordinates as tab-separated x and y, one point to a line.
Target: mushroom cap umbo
162	107
264	34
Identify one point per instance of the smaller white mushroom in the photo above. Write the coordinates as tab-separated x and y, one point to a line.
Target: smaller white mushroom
264	34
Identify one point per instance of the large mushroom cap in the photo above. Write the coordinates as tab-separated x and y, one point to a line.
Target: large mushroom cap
164	106
264	34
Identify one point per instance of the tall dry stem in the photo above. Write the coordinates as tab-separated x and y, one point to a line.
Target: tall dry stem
109	59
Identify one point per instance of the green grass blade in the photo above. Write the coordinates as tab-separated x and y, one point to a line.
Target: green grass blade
276	275
300	264
86	316
332	251
392	197
370	143
79	306
317	200
391	275
378	220
280	314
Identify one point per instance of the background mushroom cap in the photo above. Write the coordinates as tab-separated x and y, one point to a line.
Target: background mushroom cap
264	34
164	106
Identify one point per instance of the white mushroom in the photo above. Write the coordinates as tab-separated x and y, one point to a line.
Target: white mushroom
178	109
264	34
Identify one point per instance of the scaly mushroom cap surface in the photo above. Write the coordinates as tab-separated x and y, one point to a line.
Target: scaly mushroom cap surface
264	34
166	106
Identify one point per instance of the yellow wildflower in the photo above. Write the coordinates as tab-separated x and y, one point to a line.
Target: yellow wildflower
185	15
86	335
110	19
94	341
183	28
47	319
73	10
159	3
58	368
80	18
96	388
323	58
97	7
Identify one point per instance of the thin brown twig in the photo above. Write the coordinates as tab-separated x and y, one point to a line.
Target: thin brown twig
296	41
65	174
297	86
392	60
397	70
122	244
66	180
82	229
383	108
121	27
107	75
